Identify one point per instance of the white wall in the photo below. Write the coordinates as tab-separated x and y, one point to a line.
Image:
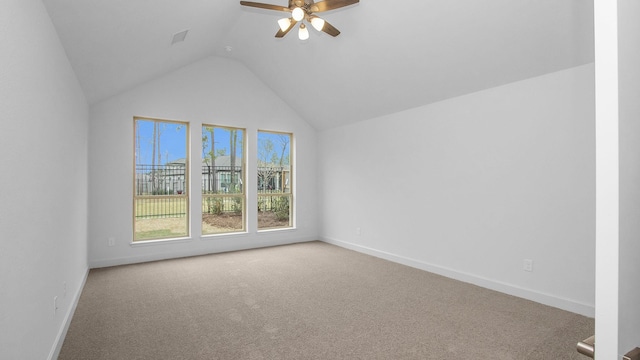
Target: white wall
43	183
629	108
215	91
471	186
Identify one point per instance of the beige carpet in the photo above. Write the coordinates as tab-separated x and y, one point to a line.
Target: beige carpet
307	301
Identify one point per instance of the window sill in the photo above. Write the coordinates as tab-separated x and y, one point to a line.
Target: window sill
276	230
159	241
217	236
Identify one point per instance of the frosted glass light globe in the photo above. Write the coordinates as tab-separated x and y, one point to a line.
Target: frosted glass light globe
297	14
284	23
303	33
317	23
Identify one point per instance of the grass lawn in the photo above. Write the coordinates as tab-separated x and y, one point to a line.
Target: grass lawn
161	206
160	228
165	217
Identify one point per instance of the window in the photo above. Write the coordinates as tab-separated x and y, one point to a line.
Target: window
161	201
275	199
223	195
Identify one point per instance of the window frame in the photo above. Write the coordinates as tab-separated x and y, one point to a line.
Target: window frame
242	178
290	186
186	194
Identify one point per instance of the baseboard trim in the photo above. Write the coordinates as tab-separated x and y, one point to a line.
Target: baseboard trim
102	263
510	289
62	333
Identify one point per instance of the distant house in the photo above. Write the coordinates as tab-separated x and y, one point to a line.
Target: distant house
273	178
169	178
217	178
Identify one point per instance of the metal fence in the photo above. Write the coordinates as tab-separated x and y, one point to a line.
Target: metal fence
160	207
218	179
219	204
274	202
161	190
160	179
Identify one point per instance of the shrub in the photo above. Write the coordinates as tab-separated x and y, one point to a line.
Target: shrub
237	205
214	206
281	208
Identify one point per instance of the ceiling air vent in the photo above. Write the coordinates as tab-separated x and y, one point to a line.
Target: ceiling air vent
179	37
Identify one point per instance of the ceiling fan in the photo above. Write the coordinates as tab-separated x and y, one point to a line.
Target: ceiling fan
302	10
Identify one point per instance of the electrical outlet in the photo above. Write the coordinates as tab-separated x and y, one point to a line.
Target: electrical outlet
64	289
358	232
55	305
111	241
527	265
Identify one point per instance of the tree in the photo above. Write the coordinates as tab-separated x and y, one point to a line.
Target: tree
284	143
266	171
210	156
154	172
205	143
212	176
233	140
139	182
221	152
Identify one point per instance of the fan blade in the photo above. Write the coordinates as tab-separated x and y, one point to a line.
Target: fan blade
265	6
327	5
329	29
281	33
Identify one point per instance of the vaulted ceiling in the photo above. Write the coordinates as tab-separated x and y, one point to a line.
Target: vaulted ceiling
390	56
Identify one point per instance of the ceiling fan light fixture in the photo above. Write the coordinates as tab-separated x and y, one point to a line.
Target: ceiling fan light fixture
284	23
297	14
317	23
303	33
304	11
